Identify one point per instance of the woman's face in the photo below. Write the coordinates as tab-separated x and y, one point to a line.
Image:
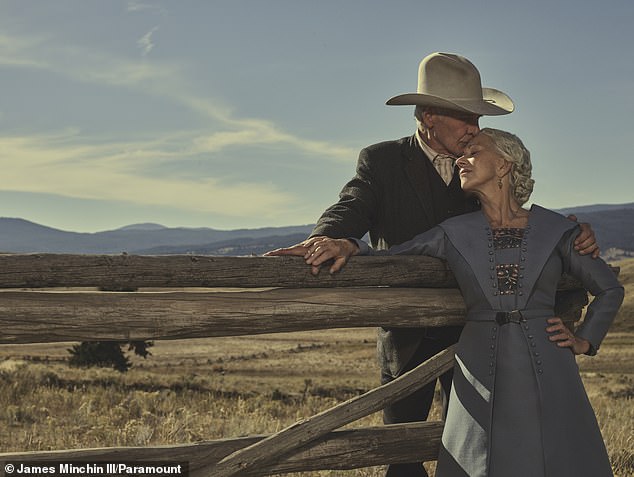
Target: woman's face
481	165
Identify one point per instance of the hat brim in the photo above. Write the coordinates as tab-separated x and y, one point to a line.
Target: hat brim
493	102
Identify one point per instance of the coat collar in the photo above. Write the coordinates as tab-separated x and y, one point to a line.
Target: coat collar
471	235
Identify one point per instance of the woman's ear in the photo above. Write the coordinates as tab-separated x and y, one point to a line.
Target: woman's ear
504	168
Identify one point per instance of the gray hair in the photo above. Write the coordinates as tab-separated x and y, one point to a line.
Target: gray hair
418	114
513	150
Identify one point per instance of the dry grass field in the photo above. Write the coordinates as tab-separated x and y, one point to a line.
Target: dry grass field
204	389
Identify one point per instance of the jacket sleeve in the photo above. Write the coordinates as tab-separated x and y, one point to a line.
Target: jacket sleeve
358	203
431	243
600	281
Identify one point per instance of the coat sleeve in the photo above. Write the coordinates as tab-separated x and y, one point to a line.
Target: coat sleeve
431	243
600	281
358	203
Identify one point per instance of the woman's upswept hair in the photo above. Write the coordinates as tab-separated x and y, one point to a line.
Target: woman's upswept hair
513	150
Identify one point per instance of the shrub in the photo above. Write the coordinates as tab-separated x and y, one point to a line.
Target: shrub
107	354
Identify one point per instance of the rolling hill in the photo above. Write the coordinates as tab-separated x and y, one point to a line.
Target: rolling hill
613	225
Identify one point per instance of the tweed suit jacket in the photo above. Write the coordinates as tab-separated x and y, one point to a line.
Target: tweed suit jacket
390	197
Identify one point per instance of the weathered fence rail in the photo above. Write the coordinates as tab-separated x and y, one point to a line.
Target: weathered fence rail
193	296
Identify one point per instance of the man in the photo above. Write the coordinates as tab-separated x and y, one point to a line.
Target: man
406	187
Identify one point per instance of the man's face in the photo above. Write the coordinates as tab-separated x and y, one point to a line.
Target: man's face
451	131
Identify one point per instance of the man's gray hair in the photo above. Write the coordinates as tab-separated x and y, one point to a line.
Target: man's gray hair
513	150
418	114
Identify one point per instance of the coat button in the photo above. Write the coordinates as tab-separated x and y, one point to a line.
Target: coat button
540	371
539	361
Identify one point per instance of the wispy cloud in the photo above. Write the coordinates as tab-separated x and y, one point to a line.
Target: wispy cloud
134	6
165	81
14	51
70	164
57	164
145	42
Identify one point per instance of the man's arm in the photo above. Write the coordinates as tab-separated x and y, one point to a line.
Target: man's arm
352	216
358	205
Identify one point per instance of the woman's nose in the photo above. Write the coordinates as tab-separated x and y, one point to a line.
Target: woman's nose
461	161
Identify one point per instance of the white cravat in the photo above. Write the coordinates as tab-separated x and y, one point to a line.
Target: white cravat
443	163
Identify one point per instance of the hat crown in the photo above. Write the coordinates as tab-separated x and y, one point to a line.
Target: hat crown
449	76
450	81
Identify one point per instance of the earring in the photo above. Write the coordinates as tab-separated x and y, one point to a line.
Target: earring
500	183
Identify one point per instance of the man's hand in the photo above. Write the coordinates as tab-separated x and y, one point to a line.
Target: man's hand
297	250
586	242
324	249
318	250
565	338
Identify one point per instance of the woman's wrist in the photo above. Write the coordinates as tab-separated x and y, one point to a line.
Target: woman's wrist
583	346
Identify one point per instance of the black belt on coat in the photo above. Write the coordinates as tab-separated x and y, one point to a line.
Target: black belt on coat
504	317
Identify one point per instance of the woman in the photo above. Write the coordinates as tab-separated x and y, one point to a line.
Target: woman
518	406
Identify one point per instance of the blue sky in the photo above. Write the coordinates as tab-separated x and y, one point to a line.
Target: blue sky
236	113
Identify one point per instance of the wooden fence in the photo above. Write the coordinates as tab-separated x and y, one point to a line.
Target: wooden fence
277	295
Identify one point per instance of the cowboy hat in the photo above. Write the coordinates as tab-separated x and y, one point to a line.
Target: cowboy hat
450	81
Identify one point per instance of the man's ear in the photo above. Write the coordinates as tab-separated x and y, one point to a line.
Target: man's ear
428	118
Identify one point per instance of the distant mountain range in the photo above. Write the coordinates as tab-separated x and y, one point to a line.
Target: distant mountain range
22	236
613	225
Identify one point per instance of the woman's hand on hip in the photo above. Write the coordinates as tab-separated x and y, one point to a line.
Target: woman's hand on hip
565	338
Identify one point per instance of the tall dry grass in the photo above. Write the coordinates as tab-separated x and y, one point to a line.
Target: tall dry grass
172	400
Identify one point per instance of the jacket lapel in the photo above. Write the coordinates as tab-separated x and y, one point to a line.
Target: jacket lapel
545	229
469	234
416	172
